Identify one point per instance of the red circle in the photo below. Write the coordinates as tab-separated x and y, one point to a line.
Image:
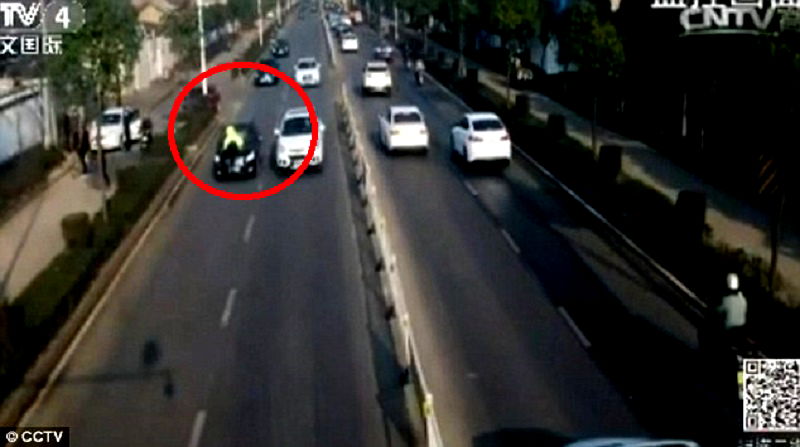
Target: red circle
222	193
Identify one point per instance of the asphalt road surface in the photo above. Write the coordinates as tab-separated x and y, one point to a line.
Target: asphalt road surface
257	310
526	318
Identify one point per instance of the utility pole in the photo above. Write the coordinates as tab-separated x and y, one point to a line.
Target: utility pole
260	26
396	23
202	44
278	11
44	89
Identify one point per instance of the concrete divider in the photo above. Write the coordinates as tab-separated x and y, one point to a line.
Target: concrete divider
415	383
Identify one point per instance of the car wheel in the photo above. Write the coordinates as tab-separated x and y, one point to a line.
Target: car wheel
465	154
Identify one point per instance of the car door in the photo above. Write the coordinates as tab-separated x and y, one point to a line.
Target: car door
135	122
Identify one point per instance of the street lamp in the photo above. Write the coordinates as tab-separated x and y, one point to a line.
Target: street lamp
202	44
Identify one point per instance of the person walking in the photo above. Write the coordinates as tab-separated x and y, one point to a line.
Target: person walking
83	150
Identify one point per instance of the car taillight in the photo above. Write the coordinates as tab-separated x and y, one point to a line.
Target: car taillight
395	132
504	137
475	138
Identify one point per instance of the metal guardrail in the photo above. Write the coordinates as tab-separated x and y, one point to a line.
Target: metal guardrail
390	278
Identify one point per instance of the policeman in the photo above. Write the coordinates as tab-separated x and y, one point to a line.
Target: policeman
233	137
732	311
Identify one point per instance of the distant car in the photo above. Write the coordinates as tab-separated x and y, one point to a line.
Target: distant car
403	127
293	138
349	43
242	162
377	78
341	29
264	78
280	48
384	52
112	128
632	442
481	137
307	72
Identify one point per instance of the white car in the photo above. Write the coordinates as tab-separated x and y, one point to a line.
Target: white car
307	72
349	42
481	137
377	78
293	138
112	128
403	127
632	442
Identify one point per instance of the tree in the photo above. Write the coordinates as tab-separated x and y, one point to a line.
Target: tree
592	45
245	11
180	27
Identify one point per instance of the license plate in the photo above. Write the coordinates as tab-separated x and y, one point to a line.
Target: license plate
296	164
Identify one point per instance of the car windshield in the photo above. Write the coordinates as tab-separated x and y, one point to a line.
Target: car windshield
487	125
407	117
306	65
296	126
110	118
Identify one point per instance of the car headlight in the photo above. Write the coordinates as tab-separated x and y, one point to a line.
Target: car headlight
250	157
217	159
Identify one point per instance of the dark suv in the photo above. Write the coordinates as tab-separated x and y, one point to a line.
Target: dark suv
241	162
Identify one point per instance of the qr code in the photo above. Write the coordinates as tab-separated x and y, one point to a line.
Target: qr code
771	393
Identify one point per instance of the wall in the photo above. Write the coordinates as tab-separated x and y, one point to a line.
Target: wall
20	123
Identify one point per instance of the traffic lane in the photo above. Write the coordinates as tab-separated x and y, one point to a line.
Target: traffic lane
172	295
511	352
529	217
307	377
625	298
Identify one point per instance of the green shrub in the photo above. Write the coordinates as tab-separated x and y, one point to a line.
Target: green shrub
76	230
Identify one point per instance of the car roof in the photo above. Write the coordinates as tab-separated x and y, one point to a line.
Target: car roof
115	110
306	59
405	109
482	116
296	112
281	41
377	64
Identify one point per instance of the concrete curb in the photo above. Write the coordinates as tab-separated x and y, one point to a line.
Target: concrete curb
43	373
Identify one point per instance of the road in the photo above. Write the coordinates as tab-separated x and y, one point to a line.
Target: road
258	309
527	317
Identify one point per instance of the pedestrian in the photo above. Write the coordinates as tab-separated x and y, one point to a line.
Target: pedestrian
83	150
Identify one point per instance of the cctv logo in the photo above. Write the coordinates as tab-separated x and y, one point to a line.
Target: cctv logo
59	437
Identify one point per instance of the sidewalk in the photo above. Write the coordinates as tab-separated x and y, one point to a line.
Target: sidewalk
31	237
733	221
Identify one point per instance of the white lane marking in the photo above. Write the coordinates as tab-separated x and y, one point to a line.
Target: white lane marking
248	229
226	313
197	428
584	341
510	241
471	188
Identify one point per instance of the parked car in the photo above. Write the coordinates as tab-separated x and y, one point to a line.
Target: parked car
481	137
307	72
239	162
293	139
632	442
349	43
195	99
403	127
264	78
377	78
112	124
280	48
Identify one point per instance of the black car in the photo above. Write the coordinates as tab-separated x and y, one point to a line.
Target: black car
280	48
383	52
263	78
242	162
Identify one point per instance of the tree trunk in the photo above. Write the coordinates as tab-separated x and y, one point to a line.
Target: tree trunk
119	90
775	239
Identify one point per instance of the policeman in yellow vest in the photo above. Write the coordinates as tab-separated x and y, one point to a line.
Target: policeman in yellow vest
232	136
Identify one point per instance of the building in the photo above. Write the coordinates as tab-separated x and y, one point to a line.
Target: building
156	58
